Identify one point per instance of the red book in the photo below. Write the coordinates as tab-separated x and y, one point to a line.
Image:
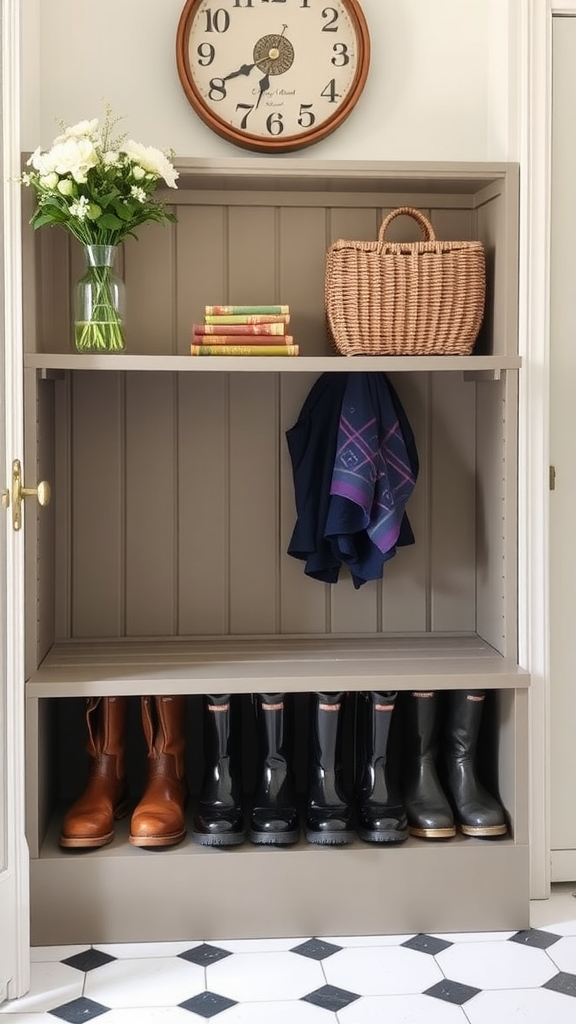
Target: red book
240	339
243	329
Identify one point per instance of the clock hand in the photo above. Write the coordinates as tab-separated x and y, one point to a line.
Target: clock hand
264	84
244	70
272	55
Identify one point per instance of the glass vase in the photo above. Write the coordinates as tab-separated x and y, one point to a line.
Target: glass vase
99	303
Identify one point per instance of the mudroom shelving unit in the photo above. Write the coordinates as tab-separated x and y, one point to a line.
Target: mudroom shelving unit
160	565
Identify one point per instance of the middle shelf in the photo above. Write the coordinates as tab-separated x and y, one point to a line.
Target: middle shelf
251	664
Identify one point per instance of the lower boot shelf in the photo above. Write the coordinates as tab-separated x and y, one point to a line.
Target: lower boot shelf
120	893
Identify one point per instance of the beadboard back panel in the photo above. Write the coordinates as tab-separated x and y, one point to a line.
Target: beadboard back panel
174	510
173	500
248	245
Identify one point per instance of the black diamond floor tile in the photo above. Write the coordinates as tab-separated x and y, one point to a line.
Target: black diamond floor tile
89	959
427	944
205	955
208	1004
452	992
331	998
562	982
535	937
79	1010
316	949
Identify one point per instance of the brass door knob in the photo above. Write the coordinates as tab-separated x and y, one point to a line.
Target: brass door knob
17	492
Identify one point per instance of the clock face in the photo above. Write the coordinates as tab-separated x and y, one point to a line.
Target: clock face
273	75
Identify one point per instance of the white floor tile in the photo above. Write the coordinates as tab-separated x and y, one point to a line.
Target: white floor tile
145	950
563	954
275	1013
50	985
560	927
145	1015
351	941
389	970
259	977
154	982
30	1018
473	936
256	945
402	1010
496	965
528	1006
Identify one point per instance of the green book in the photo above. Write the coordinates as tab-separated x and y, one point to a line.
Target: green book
240	310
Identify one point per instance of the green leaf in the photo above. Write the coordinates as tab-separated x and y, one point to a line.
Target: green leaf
109	221
42	219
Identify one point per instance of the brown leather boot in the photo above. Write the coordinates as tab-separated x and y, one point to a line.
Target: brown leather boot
90	820
158	820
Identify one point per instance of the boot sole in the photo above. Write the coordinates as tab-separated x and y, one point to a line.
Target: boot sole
87	844
483	830
433	833
383	837
278	839
330	838
157	840
225	840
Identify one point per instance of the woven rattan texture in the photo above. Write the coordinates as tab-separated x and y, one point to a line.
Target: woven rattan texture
405	298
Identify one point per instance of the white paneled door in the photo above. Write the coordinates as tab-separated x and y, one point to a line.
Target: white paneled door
14	898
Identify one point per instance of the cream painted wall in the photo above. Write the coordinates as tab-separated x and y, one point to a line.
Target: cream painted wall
437	90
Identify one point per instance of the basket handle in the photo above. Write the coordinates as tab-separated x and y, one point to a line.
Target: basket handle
410	211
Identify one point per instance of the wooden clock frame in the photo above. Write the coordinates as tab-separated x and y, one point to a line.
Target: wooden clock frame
275	144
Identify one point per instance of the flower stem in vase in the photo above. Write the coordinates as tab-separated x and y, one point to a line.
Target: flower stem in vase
99	303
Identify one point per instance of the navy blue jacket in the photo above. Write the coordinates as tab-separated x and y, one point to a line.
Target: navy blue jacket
354	463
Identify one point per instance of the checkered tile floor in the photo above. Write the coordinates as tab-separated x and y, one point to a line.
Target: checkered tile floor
472	978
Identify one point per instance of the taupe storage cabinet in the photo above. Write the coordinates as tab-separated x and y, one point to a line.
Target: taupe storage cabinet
161	567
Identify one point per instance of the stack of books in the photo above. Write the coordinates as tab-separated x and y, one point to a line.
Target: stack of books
244	331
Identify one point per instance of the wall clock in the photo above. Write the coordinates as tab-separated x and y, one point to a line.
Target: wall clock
273	75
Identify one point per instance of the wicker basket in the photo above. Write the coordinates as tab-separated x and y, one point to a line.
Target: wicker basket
405	298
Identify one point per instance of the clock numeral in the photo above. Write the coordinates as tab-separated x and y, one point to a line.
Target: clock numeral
243	3
217	91
305	3
217	21
248	108
341	57
275	124
306	118
329	91
332	24
206	54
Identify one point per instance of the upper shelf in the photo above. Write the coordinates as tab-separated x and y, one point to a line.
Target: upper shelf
257	231
270	364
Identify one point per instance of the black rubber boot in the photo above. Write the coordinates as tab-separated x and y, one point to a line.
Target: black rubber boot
477	813
381	816
328	813
219	820
427	807
274	817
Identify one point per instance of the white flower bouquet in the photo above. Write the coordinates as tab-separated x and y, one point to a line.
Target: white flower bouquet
100	188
